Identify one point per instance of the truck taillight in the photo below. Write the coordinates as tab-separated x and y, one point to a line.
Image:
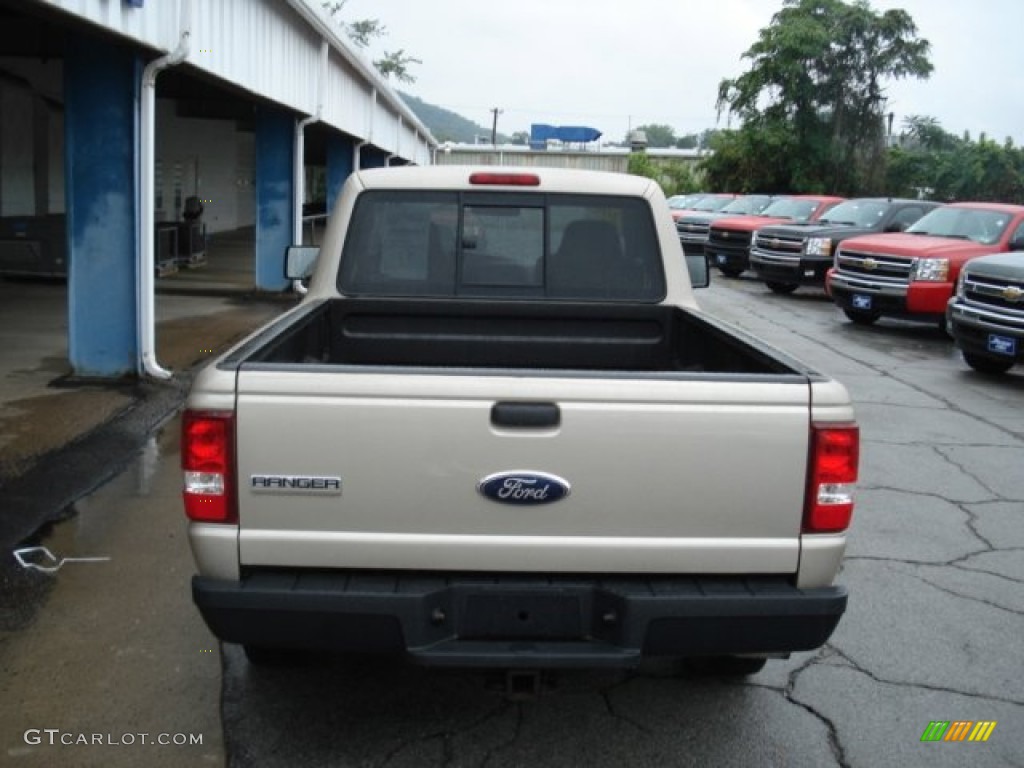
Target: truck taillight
208	460
835	452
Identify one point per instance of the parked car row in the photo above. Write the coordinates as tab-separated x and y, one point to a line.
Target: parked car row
881	257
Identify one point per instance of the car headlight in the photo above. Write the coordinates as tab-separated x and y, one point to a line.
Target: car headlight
931	270
818	246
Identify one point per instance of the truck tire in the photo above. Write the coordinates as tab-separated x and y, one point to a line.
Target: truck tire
781	288
985	364
860	317
725	666
263	656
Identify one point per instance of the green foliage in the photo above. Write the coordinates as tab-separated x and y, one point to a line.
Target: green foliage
362	32
674	177
396	63
946	167
814	91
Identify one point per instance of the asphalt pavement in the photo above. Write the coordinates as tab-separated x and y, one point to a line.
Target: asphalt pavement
933	631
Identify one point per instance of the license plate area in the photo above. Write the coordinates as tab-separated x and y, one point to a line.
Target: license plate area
861	301
520	615
1002	345
721	258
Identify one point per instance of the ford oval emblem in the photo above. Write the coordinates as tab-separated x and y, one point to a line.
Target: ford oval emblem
523	487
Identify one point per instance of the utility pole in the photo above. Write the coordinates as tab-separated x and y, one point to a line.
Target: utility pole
494	126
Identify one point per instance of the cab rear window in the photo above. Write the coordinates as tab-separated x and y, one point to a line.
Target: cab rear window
450	244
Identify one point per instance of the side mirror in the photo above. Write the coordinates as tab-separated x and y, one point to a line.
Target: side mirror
697	266
299	261
1017	243
897	226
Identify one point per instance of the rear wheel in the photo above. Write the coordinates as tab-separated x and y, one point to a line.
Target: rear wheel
781	288
726	666
860	317
262	656
984	364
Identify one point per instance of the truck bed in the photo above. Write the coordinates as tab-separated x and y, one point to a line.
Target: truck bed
632	338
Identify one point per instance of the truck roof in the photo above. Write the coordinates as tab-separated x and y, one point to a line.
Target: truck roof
1013	210
457	177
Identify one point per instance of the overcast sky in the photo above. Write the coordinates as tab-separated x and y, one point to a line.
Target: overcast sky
615	64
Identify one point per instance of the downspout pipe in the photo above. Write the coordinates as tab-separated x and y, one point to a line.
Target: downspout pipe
300	155
147	132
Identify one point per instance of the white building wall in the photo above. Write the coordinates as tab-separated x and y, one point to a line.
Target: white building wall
210	159
271	48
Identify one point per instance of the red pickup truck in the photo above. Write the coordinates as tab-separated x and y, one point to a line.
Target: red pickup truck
728	243
911	274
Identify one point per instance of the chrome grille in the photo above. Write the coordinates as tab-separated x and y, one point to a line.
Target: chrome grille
874	267
787	247
998	292
693	230
728	237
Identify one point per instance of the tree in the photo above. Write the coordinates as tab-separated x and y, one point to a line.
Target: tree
363	32
817	73
944	166
689	141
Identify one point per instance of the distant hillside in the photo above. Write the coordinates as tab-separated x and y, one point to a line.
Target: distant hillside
447	125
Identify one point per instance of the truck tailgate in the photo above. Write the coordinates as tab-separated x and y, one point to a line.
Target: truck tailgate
686	474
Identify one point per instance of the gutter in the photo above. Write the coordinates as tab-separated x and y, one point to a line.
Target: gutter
326	30
147	130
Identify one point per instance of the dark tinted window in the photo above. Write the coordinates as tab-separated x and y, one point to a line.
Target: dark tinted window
446	244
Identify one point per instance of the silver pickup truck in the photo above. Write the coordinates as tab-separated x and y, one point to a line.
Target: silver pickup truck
498	431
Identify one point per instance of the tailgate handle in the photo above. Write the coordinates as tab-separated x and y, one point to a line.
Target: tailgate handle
525	415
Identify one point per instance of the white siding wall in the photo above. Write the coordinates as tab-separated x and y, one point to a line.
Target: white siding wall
271	50
210	159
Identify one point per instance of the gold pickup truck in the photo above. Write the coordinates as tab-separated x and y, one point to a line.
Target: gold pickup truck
498	431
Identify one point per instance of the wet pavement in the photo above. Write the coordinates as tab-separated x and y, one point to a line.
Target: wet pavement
85	430
934	629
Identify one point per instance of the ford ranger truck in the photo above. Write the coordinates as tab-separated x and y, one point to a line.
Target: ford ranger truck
786	256
493	434
986	314
728	243
693	227
911	274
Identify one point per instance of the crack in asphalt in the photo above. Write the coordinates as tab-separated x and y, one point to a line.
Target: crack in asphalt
996	574
972	519
835	745
972	598
606	697
966	471
517	732
858	667
445	735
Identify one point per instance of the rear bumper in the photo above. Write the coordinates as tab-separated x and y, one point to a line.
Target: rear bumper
519	620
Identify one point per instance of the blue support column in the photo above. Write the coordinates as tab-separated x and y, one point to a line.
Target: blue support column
275	195
373	158
339	165
101	107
